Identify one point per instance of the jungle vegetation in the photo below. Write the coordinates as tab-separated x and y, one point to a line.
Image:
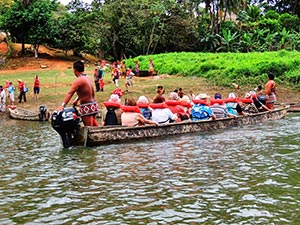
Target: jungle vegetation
117	29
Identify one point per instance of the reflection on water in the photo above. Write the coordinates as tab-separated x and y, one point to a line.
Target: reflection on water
243	175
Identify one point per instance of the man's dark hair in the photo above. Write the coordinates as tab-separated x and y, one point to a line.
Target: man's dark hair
271	76
79	66
259	87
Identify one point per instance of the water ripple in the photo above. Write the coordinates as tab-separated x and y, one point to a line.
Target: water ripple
243	175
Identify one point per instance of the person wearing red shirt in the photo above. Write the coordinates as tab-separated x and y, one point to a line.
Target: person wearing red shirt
36	87
22	94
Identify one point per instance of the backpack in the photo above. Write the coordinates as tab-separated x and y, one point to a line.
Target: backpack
262	99
198	113
100	74
147	113
111	117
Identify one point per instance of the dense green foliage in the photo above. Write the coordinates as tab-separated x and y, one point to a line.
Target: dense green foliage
225	68
116	29
29	22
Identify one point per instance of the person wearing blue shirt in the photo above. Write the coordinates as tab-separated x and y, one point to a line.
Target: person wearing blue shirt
201	110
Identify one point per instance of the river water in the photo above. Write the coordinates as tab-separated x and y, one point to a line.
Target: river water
243	175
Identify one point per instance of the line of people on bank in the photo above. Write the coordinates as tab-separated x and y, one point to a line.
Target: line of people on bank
117	70
8	92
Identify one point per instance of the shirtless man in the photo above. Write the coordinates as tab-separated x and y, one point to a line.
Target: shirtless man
270	91
83	86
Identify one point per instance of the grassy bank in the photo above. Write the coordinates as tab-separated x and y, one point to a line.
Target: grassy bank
188	71
224	68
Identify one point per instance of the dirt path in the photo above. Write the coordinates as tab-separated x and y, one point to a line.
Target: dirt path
48	59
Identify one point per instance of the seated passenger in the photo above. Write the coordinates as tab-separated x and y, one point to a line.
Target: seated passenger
160	94
143	104
218	107
186	103
259	105
175	106
161	113
180	93
233	106
201	110
111	114
132	115
248	104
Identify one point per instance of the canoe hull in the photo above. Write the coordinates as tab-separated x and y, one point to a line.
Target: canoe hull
95	136
294	107
24	114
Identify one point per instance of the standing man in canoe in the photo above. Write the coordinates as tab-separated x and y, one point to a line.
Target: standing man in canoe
270	90
84	87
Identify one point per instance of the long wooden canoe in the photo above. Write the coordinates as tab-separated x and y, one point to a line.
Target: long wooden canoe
294	107
96	136
25	114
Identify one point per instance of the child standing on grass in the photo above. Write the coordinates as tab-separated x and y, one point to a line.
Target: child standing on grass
116	75
11	92
129	75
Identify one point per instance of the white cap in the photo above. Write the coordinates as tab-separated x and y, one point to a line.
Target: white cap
143	100
114	98
232	95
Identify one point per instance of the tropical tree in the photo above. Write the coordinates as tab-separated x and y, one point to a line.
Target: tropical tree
29	21
228	41
284	39
247	42
290	22
253	13
70	34
281	6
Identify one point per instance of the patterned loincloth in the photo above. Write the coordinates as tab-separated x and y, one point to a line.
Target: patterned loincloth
88	109
271	99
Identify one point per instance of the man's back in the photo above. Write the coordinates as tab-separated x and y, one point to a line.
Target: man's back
83	85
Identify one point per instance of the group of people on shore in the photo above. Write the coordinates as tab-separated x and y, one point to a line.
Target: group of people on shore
8	92
176	108
118	69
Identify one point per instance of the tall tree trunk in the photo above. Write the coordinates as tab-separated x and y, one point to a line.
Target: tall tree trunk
36	50
150	40
155	45
114	46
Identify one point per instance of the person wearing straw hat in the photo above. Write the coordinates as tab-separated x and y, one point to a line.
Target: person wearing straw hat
201	110
22	90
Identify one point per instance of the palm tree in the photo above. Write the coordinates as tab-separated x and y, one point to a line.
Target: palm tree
253	13
227	40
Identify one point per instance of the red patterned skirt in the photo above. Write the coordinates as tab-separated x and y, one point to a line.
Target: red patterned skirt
90	108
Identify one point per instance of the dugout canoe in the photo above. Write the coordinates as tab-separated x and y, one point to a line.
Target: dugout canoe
294	107
96	136
25	114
